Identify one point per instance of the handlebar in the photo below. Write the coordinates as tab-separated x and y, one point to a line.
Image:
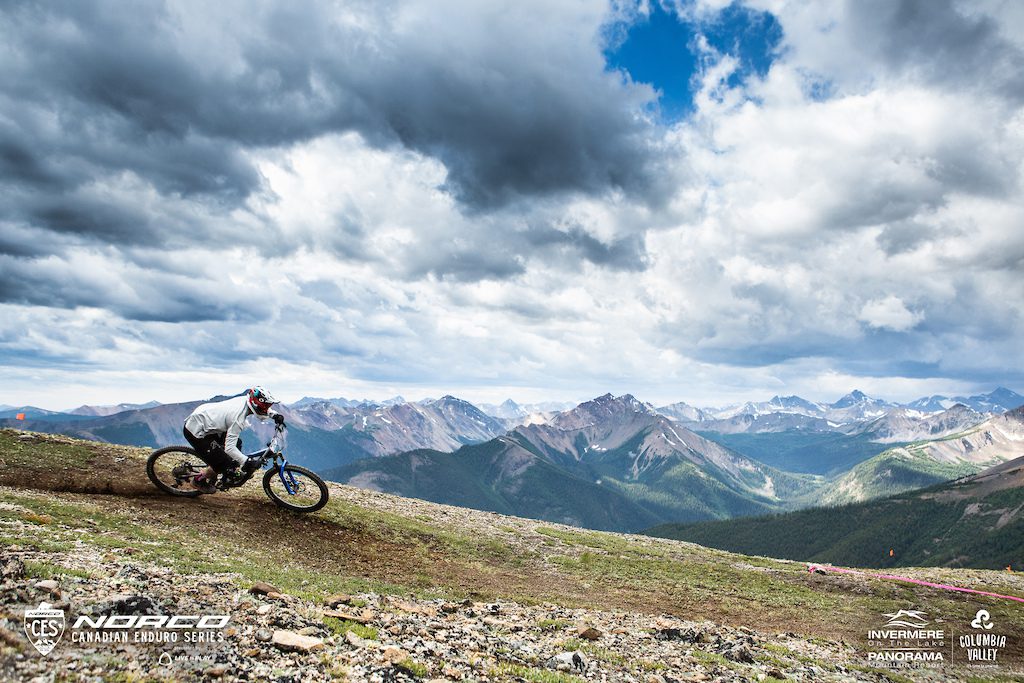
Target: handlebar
276	444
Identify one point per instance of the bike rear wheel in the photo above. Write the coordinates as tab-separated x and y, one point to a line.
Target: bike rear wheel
296	488
173	469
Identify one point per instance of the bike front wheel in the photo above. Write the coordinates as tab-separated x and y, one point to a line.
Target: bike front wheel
295	488
173	469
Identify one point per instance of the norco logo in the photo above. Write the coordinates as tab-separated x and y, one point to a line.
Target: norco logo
154	621
44	627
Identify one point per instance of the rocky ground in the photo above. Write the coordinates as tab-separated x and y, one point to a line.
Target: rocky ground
371	637
433	592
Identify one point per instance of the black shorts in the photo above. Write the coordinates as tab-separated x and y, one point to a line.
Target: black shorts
210	449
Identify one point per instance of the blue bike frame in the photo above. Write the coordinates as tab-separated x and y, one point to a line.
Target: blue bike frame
284	480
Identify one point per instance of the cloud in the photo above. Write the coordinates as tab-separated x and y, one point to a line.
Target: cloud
173	92
419	196
386	209
889	313
940	41
816	210
102	280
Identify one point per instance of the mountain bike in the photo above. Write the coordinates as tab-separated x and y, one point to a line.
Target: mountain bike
174	469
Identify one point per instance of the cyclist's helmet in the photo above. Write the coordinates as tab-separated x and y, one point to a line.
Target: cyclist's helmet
260	400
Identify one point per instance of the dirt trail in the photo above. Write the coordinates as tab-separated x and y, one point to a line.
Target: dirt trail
119	485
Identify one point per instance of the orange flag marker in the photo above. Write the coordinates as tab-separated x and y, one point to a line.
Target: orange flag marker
19	416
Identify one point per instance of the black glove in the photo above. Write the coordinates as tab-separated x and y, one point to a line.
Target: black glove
279	419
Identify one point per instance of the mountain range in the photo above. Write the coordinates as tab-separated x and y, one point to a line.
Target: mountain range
612	462
100	411
974	521
443	424
609	463
966	451
848	414
322	434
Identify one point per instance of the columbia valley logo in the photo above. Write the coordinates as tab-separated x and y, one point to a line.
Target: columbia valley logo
980	645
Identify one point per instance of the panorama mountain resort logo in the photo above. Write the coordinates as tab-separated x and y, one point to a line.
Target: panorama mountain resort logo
909	618
906	641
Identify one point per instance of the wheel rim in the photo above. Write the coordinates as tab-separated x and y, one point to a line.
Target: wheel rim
305	491
177	470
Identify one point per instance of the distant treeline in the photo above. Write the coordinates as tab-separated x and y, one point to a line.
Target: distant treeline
920	529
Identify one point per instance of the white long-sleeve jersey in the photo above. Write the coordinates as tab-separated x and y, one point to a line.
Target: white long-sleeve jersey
228	417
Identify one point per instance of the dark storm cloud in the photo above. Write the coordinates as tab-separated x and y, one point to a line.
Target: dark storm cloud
748	354
903	236
141	93
936	40
138	295
504	135
626	253
18	164
85	216
503	248
24	241
463	264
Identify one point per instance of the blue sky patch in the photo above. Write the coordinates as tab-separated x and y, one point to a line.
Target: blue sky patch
661	49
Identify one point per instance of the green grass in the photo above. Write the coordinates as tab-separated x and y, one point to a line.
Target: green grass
340	627
571	644
26	453
413	668
187	551
598	540
49	570
712	659
395	528
603	654
772	660
505	670
640	567
553	624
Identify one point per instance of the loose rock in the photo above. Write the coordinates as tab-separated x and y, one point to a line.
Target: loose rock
568	661
262	588
295	642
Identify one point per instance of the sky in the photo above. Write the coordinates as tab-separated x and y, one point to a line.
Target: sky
696	201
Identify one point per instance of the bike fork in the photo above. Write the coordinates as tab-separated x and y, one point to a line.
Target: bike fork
290	487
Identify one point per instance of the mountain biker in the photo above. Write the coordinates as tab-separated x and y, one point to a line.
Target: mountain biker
213	428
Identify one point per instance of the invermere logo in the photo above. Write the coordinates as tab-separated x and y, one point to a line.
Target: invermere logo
906	641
